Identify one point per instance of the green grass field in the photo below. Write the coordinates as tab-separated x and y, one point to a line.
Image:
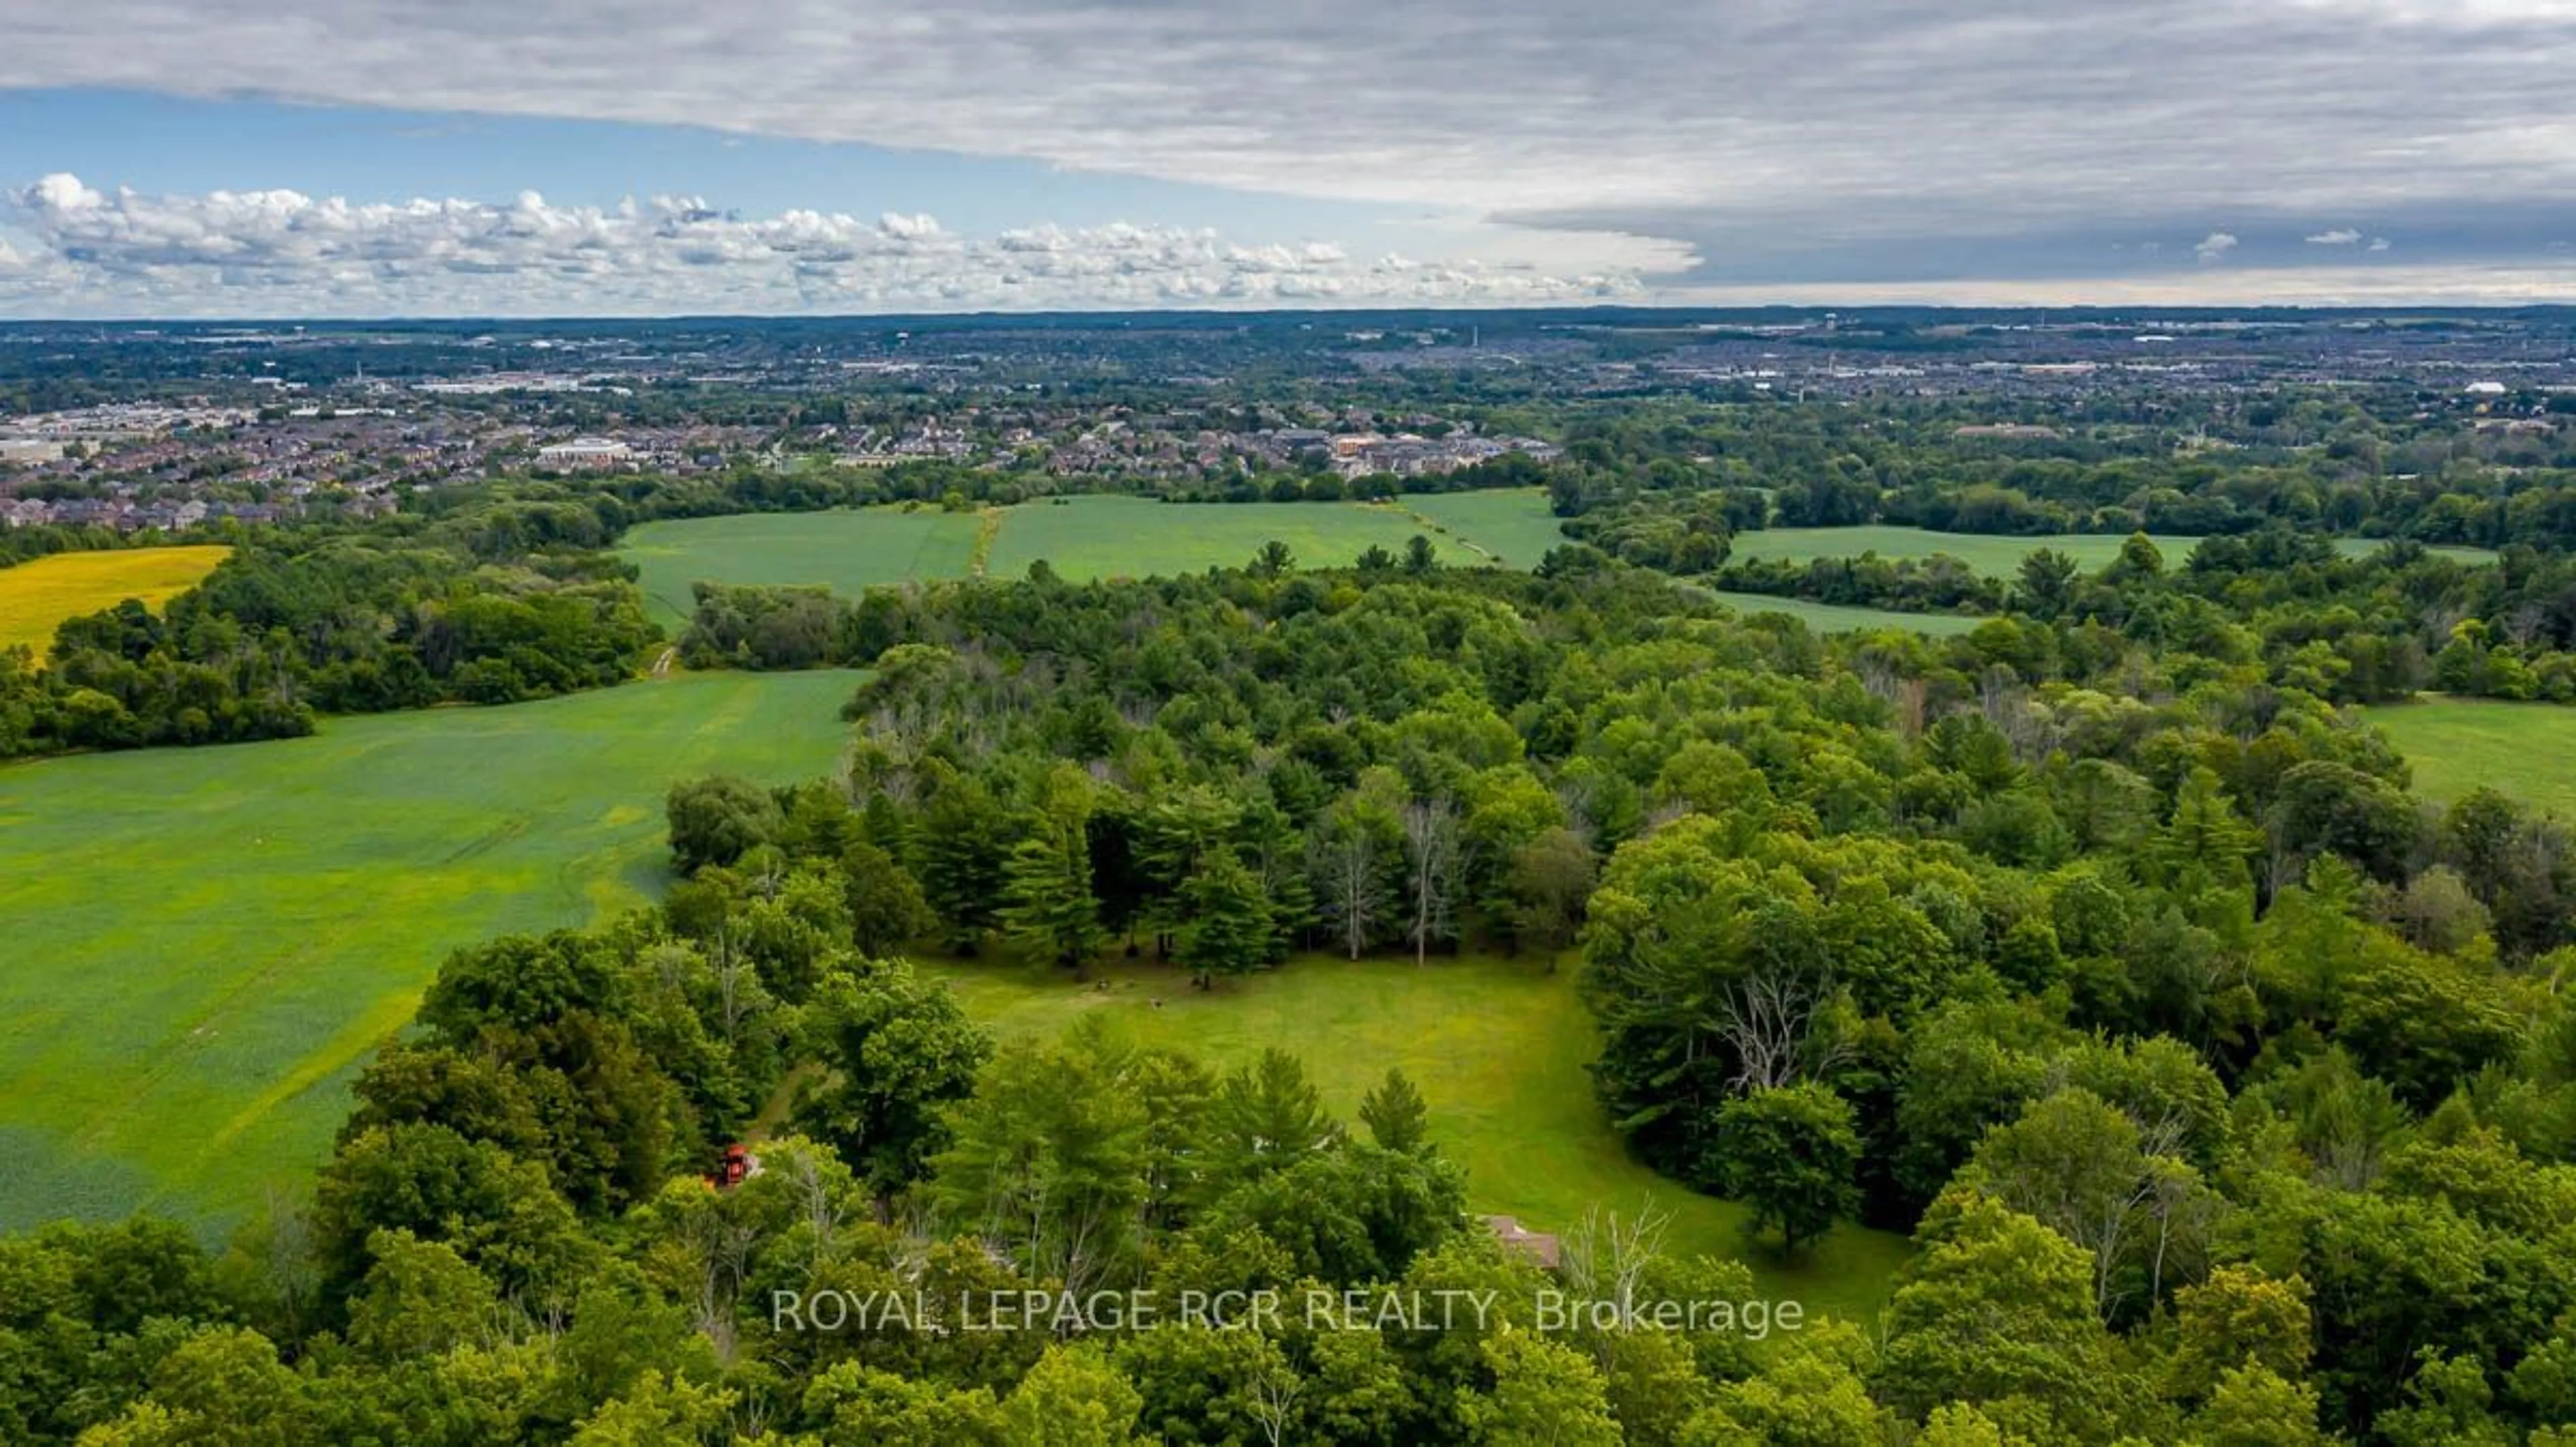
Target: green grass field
36	597
1498	1049
1993	556
205	943
1512	527
2526	751
1081	538
1129	537
1843	618
847	551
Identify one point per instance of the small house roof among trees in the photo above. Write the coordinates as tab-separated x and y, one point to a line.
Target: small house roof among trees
1543	1248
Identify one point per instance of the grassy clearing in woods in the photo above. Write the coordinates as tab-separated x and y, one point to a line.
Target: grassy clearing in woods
1498	1048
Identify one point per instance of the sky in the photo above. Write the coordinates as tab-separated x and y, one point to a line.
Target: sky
531	157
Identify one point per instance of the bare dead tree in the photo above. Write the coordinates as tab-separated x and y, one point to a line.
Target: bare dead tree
1351	884
721	1247
1080	1253
2281	864
1431	857
1879	674
1770	1020
1664	813
1577	803
1999	694
1605	1257
2182	1214
822	1218
1274	1402
2440	617
2538	848
733	970
2158	1209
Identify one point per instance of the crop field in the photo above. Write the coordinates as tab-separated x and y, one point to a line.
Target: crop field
1498	1048
205	944
1512	526
1993	556
847	551
36	597
1129	537
2526	751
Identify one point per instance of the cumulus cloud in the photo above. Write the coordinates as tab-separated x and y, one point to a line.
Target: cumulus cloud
2214	247
2340	236
283	252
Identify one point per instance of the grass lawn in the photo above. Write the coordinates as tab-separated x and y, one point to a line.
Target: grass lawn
1131	537
205	943
1081	537
1498	1048
1843	618
2526	751
1128	537
847	550
1512	526
1991	555
36	597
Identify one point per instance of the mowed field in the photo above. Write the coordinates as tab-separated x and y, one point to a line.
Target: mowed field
853	549
36	597
2526	751
1844	618
1991	555
1509	526
205	944
848	551
1125	537
1109	537
1498	1048
1130	537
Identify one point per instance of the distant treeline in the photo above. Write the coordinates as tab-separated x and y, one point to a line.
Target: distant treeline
506	589
43	540
488	605
2387	464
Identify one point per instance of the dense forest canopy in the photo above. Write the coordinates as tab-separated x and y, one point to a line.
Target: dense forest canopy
2225	1086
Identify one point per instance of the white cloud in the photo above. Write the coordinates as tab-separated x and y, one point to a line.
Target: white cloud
1858	110
1864	139
282	252
2379	243
2214	247
2340	236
